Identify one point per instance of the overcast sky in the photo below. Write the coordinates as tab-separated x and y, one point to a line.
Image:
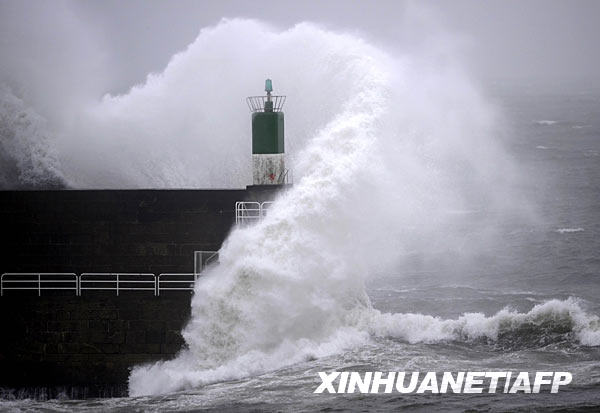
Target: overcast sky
125	40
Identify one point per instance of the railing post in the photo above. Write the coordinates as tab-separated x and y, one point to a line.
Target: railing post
157	285
39	285
2	285
117	285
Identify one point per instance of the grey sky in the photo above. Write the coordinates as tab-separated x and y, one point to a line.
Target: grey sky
122	41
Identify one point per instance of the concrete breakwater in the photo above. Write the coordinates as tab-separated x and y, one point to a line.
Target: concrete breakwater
84	346
134	231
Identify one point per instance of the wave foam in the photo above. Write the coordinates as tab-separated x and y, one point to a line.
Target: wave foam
569	230
545	322
554	321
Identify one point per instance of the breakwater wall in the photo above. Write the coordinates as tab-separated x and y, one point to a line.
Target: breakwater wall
84	346
64	345
135	231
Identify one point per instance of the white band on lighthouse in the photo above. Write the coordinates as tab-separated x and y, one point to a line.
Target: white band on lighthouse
268	169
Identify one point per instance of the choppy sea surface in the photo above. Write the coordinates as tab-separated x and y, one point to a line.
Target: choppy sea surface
552	261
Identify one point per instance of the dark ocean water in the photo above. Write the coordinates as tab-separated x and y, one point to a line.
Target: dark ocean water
555	140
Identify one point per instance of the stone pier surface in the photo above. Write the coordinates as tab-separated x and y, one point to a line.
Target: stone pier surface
154	231
85	346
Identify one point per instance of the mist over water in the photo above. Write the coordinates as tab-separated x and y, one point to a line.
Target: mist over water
26	157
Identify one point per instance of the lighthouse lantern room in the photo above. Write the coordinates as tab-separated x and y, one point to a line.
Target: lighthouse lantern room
268	152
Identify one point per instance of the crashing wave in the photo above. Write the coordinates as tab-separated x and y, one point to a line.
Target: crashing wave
26	159
554	320
379	164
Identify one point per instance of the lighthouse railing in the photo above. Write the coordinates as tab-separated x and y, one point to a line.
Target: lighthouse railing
257	103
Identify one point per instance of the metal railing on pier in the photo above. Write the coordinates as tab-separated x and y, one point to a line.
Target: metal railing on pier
204	259
175	282
39	281
248	212
104	281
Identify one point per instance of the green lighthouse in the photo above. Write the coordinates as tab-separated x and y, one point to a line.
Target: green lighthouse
268	151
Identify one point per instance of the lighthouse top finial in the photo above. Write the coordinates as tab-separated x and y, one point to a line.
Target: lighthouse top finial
269	103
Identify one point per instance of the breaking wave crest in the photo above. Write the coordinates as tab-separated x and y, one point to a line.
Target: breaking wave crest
381	169
546	323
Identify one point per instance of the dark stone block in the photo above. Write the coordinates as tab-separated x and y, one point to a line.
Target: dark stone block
111	348
61	326
97	324
79	231
70	348
49	336
135	337
139	348
90	348
104	336
155	336
117	325
174	337
170	349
